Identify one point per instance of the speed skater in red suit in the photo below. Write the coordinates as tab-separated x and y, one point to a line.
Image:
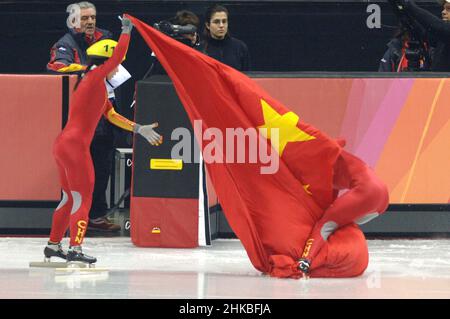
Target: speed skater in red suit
366	198
71	148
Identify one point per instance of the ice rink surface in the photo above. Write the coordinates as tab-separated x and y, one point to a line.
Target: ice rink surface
397	269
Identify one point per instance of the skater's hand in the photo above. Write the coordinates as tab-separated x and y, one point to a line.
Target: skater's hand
148	132
127	26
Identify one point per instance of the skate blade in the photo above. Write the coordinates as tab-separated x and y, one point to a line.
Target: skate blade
68	270
72	280
47	264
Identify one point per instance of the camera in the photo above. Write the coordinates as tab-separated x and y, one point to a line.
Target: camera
176	32
173	30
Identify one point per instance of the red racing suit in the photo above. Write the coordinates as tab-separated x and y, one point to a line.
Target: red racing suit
366	197
72	147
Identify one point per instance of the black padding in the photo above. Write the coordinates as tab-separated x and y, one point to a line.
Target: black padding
157	101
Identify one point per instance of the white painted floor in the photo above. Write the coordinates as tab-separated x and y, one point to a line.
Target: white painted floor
397	269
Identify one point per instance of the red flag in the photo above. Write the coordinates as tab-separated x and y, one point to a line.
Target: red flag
272	214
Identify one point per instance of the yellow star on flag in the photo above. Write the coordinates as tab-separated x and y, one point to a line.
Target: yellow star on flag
286	125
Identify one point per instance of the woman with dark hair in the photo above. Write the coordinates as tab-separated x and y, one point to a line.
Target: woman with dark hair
219	44
71	148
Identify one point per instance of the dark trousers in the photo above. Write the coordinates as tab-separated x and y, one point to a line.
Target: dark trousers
102	152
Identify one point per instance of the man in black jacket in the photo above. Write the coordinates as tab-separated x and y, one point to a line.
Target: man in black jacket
400	57
394	57
439	29
68	56
219	44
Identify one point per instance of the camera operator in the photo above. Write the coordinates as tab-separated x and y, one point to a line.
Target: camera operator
439	29
410	49
183	27
399	58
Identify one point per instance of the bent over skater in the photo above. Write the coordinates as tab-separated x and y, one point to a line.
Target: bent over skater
366	197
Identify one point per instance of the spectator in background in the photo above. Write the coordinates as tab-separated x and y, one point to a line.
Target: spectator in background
445	13
219	44
68	56
395	59
439	30
184	18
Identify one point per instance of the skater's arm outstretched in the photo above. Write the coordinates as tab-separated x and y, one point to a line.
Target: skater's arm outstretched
147	131
119	51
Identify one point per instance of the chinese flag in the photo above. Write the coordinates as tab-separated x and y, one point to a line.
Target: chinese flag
272	214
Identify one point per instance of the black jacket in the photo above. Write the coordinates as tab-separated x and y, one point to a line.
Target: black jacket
391	57
230	51
440	30
71	48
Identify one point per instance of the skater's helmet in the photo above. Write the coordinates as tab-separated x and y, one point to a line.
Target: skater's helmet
102	49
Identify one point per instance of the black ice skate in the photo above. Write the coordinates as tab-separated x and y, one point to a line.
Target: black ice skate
54	250
76	256
303	265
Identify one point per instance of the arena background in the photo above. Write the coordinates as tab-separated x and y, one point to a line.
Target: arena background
284	36
329	37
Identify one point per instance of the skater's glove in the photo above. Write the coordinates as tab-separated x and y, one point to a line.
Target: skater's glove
127	26
148	132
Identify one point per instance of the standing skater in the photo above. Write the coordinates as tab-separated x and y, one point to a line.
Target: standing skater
71	148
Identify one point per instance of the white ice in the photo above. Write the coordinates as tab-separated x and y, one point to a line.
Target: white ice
397	269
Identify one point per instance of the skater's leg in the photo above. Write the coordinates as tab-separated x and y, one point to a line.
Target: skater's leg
61	215
77	180
367	199
81	183
343	255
